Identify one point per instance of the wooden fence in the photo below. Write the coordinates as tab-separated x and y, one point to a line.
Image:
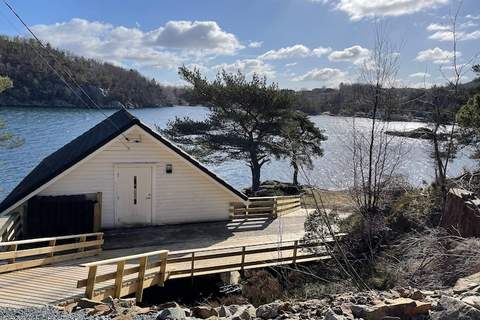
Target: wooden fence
41	251
131	274
262	207
10	226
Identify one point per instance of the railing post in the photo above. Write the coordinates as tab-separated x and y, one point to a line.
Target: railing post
295	246
193	264
52	244
274	208
14	249
141	277
99	237
81	239
119	279
92	275
163	268
242	264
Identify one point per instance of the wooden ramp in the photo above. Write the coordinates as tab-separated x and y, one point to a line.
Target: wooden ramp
68	281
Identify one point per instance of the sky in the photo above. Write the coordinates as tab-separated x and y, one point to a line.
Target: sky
300	44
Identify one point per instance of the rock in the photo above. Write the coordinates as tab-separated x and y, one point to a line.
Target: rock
245	312
331	315
125	303
100	310
238	312
69	308
400	307
123	317
269	311
474	301
204	312
170	304
451	308
417	295
467	283
176	313
85	303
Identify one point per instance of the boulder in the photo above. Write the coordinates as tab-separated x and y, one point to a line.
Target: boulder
404	308
203	312
238	312
467	283
474	301
451	308
85	303
100	310
176	313
329	314
270	311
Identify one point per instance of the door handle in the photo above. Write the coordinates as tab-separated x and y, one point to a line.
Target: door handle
149	196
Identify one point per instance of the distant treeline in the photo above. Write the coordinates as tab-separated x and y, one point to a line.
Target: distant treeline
407	103
35	83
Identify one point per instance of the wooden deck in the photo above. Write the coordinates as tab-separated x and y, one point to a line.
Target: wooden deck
57	283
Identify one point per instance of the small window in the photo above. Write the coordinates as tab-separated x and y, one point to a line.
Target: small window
134	189
168	168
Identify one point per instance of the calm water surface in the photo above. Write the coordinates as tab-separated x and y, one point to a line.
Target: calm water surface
47	129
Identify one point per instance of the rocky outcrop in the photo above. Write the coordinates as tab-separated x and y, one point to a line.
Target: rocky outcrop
460	302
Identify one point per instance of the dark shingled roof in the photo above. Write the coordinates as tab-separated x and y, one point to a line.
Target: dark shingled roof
82	146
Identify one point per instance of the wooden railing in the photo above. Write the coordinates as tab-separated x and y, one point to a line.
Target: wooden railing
37	252
10	226
131	274
123	276
257	207
190	263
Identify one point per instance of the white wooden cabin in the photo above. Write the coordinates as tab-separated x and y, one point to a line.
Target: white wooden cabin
143	178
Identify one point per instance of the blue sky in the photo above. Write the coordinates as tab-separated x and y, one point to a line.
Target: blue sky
297	43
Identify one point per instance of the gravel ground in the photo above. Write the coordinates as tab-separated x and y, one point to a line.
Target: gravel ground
52	313
42	314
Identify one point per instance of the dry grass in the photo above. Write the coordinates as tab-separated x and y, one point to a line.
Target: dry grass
335	200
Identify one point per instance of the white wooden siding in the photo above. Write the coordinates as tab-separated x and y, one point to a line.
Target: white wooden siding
186	195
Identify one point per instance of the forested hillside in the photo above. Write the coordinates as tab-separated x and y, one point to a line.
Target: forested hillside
36	84
407	103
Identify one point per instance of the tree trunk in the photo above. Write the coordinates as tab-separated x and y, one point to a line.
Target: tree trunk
295	172
255	168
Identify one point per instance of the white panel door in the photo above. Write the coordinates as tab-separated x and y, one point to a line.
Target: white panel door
133	202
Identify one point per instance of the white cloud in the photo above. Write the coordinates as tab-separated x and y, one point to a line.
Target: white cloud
436	55
249	67
320	51
438	27
289	65
255	44
468	24
359	9
474	17
420	75
325	76
355	54
206	36
296	51
460	35
164	47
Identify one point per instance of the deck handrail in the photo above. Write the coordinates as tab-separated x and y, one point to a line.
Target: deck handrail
320	241
121	286
185	263
58	249
265	207
38	240
123	258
